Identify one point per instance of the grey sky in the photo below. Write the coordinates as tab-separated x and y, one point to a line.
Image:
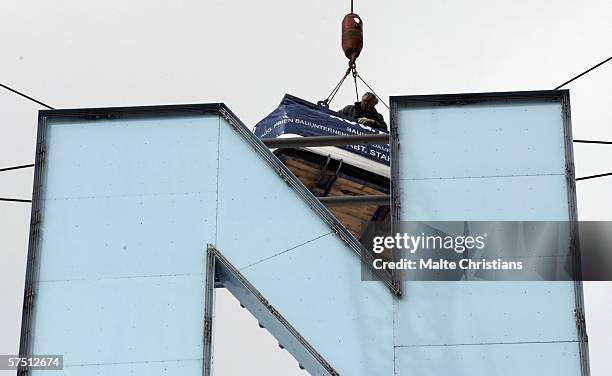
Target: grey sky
247	54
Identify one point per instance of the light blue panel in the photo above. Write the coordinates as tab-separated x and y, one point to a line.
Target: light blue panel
525	359
519	198
163	368
127	208
317	287
259	214
498	139
121	320
454	313
126	236
131	156
488	161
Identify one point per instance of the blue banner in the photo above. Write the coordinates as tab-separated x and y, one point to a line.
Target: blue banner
299	117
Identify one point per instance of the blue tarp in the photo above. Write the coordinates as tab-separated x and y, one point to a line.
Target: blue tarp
299	117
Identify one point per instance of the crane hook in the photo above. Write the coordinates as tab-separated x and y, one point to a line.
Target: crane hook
352	37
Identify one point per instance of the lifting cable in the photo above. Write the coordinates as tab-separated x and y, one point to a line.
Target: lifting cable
25	96
593	142
355	79
334	91
14	199
16	167
583	73
594	176
336	88
372	90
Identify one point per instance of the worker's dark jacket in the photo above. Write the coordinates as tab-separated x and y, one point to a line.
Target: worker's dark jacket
354	111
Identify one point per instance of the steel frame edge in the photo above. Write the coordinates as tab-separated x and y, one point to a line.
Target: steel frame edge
574	234
213	257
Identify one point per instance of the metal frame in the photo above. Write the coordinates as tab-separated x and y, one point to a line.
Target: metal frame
570	175
561	96
209	308
220	270
94	114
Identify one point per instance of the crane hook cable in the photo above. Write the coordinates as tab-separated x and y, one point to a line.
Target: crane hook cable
355	79
334	91
372	90
356	75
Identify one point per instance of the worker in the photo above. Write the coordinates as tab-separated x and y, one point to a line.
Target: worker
365	113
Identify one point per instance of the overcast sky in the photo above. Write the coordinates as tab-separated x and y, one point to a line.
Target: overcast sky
247	54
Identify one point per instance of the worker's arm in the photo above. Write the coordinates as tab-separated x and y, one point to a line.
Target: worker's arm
378	122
